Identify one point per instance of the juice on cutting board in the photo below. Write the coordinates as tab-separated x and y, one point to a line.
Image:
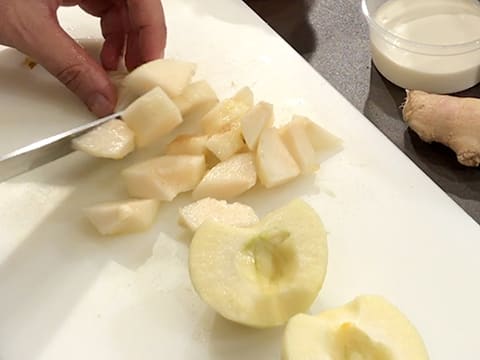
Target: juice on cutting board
428	45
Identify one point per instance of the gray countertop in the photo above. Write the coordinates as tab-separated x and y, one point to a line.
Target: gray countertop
333	36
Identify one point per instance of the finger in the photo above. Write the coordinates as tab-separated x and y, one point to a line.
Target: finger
67	61
95	7
147	31
114	33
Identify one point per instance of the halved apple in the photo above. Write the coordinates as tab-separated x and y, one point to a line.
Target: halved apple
188	145
369	327
123	216
262	275
194	215
226	143
296	138
321	139
275	164
227	111
255	121
198	97
171	75
228	179
152	116
165	177
113	140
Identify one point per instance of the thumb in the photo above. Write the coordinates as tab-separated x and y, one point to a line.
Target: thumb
60	55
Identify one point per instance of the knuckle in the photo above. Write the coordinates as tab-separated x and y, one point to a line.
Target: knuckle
71	75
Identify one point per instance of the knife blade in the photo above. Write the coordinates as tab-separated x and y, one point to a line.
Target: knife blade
44	151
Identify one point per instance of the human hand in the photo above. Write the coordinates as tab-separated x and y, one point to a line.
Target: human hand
31	26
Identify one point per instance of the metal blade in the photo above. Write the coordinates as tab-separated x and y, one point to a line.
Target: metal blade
44	151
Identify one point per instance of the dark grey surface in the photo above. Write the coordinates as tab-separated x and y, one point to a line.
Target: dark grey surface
333	36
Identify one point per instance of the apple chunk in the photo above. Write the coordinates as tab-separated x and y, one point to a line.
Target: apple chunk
152	116
261	276
226	143
194	215
228	179
188	145
296	138
165	177
171	75
255	121
244	95
321	140
113	140
122	217
275	164
227	111
369	327
197	97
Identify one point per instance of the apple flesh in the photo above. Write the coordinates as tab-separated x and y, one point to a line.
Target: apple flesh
275	164
171	75
369	327
198	98
295	137
112	140
261	276
165	177
122	217
321	140
194	215
226	143
188	145
227	111
255	121
245	95
228	179
152	116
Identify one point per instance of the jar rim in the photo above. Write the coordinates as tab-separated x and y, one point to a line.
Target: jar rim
417	46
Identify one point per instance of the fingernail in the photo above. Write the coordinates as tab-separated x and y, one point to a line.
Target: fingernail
100	105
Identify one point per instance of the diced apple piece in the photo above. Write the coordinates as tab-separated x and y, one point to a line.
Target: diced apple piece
296	138
112	140
228	179
321	139
122	217
188	145
197	97
236	214
171	75
151	116
255	121
275	164
227	143
222	114
165	177
245	95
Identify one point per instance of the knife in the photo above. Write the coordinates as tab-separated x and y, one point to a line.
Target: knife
44	151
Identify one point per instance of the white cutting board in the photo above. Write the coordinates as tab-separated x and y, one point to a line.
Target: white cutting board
66	293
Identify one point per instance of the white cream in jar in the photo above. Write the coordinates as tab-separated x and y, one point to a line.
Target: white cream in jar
430	45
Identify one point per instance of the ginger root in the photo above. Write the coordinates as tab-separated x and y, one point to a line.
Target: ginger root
451	121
